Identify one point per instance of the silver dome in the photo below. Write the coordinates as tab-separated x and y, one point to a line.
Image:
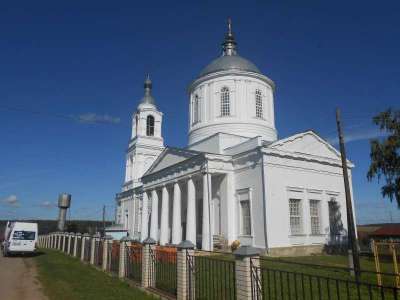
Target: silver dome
230	62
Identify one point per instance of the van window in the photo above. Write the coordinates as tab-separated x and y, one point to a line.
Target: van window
24	235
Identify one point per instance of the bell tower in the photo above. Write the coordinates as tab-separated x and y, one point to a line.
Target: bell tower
146	140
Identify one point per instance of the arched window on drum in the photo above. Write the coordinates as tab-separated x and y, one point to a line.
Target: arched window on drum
259	105
225	102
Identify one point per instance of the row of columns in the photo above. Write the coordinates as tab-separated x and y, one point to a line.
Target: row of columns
176	233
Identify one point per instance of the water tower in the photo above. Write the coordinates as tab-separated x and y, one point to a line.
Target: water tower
64	202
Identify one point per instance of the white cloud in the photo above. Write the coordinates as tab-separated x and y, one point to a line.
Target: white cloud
359	135
95	118
11	200
47	204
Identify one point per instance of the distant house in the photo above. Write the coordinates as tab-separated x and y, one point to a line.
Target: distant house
387	232
378	232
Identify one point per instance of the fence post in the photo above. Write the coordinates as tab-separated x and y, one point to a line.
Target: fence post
107	240
84	241
147	262
183	249
243	271
122	256
55	243
93	248
64	239
69	242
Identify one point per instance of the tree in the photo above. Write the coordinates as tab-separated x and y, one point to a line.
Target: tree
385	154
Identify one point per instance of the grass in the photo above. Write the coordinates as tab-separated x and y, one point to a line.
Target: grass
66	278
292	277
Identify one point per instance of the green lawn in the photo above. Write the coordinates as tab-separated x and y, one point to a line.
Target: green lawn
66	278
290	280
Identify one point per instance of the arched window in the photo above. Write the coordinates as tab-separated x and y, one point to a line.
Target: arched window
259	105
196	110
150	126
225	102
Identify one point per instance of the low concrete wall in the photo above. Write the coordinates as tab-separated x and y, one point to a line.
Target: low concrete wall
296	250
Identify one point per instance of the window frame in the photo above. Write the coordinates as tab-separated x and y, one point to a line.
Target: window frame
150	128
196	109
299	216
259	104
316	215
225	102
247	192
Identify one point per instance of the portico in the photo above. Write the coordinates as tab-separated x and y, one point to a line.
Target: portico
184	203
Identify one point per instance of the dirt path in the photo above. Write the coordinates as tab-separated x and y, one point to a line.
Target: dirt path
18	279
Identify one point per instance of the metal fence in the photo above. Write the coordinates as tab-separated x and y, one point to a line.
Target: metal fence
65	248
78	247
211	276
163	271
272	279
98	253
133	263
88	249
113	251
71	245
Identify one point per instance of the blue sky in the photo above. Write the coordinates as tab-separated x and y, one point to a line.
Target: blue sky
65	64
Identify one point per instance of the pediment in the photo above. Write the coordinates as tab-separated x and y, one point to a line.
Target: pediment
308	143
170	156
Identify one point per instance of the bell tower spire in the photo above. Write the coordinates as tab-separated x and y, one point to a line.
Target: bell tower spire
229	44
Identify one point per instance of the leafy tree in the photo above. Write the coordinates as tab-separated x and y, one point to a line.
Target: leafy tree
385	154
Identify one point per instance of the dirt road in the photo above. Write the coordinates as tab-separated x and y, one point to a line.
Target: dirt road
18	279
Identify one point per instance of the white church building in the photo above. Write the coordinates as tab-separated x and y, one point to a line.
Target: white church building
235	180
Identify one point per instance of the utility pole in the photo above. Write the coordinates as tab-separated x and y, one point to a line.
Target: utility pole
104	221
354	260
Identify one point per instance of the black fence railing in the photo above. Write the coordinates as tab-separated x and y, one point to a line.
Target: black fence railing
78	247
71	245
274	279
65	246
134	262
211	276
88	249
98	253
113	257
163	271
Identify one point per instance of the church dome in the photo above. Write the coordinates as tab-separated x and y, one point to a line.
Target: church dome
230	62
231	96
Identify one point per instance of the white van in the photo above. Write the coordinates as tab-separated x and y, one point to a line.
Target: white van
20	237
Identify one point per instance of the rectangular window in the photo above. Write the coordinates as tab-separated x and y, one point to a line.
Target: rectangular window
245	213
295	216
24	235
314	216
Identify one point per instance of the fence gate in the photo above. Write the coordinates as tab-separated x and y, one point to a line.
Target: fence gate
134	262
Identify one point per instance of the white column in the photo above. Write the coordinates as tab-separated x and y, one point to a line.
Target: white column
176	216
191	212
231	207
164	236
145	217
206	239
154	216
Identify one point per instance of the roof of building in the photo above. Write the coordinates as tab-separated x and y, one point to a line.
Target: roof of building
227	63
387	230
229	60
